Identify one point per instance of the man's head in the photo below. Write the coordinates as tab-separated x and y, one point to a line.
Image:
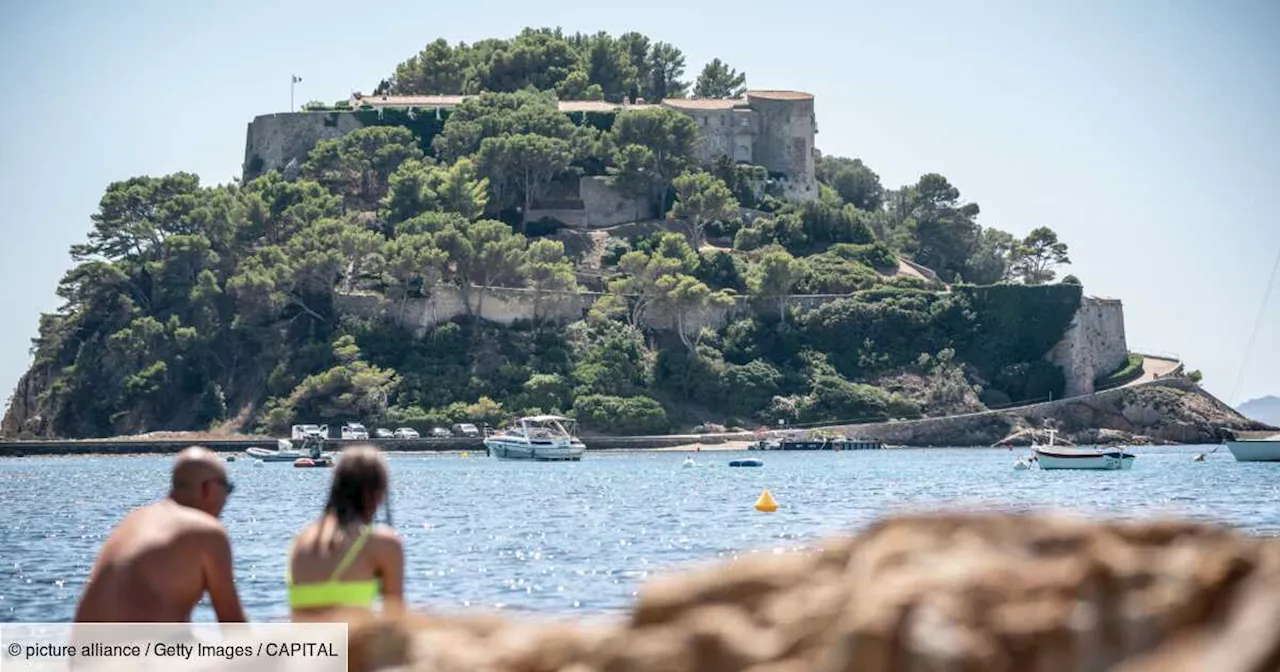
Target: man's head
200	481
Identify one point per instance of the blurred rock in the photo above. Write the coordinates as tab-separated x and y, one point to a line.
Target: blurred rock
989	593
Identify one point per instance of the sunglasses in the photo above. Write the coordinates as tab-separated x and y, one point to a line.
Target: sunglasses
230	487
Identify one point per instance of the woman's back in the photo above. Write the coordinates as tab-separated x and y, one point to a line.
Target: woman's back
343	562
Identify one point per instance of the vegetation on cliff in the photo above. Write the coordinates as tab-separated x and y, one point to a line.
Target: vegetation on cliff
194	305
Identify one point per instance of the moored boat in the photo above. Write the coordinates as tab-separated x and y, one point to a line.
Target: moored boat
544	438
1108	459
286	452
1255	450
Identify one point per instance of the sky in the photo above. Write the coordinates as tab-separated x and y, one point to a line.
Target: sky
1144	132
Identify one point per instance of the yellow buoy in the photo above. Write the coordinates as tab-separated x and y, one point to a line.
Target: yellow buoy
766	502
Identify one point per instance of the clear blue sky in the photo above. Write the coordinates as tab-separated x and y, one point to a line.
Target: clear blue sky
1145	132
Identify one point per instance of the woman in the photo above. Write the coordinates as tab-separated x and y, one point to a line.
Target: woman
341	563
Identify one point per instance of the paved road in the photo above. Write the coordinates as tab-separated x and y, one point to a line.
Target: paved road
1155	367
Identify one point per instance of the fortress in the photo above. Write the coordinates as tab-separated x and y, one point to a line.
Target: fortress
773	129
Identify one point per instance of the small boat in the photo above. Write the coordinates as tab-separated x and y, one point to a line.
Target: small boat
1256	450
284	452
688	462
1049	457
308	463
545	438
746	463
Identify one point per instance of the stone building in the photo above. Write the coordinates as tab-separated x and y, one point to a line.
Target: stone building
773	129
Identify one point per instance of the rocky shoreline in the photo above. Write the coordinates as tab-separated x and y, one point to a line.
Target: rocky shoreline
1166	411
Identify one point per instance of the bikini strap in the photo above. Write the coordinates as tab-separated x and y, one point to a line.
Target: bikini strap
352	552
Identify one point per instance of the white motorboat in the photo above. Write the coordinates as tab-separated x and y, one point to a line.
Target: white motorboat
537	437
285	452
1256	450
1099	459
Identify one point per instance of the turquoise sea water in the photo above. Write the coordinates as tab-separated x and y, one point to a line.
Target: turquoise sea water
580	537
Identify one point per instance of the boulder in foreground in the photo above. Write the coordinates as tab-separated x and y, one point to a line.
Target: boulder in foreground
989	593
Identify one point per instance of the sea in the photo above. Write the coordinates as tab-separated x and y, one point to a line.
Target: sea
564	539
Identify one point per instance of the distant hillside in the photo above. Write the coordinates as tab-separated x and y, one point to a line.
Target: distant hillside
1263	409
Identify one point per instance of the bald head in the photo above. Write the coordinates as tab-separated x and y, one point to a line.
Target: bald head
199	480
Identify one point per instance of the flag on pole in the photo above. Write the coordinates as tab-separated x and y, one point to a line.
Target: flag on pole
296	79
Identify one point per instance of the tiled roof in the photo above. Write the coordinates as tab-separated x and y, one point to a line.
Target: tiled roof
408	101
704	103
591	106
780	95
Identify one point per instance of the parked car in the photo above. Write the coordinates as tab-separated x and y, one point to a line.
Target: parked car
354	431
407	433
383	433
465	429
301	432
441	433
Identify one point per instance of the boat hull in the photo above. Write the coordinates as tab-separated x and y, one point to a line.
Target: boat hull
1255	451
268	455
540	452
1111	460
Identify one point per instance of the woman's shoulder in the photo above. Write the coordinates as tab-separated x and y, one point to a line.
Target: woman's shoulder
384	535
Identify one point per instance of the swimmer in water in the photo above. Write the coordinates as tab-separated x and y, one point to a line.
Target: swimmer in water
162	558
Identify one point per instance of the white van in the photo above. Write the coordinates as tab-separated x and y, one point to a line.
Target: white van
301	432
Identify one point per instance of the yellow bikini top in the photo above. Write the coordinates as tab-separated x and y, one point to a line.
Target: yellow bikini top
334	592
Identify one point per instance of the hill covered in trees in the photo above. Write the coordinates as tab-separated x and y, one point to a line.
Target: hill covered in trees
194	306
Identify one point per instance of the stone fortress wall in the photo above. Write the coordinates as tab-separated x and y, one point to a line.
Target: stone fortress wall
774	129
1093	345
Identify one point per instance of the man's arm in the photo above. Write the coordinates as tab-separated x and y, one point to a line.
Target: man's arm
391	571
218	578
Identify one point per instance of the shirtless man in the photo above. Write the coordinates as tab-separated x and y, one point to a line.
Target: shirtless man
160	560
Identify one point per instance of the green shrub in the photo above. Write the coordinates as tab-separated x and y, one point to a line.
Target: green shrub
1014	323
1032	381
620	415
722	270
747	388
832	274
876	255
542	227
1132	370
995	399
749	238
834	399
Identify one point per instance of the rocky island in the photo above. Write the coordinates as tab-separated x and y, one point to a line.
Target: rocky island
562	223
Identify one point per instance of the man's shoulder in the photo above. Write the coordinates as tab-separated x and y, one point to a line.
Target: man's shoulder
196	521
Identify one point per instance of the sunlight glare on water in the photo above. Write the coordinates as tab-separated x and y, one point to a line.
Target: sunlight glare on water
582	537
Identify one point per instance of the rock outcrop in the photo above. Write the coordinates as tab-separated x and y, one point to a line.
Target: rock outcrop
22	418
1169	410
993	593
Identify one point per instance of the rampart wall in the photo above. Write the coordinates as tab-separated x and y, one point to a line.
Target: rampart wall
1094	344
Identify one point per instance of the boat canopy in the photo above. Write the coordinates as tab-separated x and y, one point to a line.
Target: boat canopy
545	418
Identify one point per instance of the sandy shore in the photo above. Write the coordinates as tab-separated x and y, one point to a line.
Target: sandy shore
701	447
